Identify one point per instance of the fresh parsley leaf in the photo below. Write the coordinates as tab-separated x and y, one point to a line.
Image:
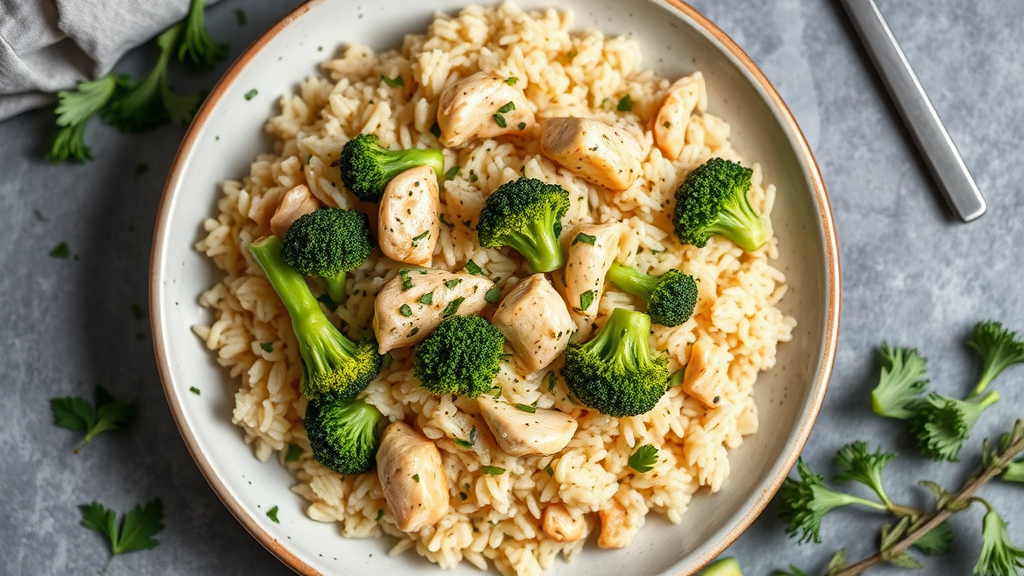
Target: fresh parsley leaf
492	470
999	348
393	82
435	129
451	173
552	380
194	390
380	514
936	541
74	108
405	310
492	295
272	514
998	556
473	178
473	435
406	279
415	330
416	477
197	49
251	94
133	532
903	378
449	284
473	268
500	120
806	501
584	238
527	408
586	299
452	307
856	463
644	459
76	414
549	470
510	106
267	346
511	80
60	251
625	104
386	360
427	298
423	236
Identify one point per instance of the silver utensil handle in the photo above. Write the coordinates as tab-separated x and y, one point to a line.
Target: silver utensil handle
939	151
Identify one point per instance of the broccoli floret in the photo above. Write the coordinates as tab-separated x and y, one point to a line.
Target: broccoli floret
461	356
713	200
615	372
334	367
343	434
670	297
367	167
328	243
999	349
942	424
526	214
904	376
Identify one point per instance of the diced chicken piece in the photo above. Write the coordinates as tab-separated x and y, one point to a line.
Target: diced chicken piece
409	217
592	150
559	525
615	529
522	433
481	105
413	478
412	304
705	370
685	96
295	203
535	322
592	249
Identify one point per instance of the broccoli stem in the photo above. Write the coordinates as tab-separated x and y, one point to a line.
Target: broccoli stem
992	369
626	326
540	247
740	223
402	160
632	281
973	407
335	286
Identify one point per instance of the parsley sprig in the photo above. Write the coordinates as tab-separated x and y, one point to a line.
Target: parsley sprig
134	531
106	414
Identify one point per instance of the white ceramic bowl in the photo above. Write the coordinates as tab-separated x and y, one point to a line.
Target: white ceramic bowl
228	133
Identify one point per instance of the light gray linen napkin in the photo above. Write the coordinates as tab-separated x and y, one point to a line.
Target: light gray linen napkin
50	45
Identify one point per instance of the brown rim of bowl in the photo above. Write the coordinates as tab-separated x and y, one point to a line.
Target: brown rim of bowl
831	321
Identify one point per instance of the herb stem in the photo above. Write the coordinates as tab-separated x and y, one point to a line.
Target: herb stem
986	471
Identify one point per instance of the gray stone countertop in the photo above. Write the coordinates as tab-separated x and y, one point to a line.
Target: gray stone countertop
912	275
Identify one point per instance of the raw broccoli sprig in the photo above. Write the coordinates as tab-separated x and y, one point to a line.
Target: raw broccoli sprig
904	376
670	297
857	464
942	424
334	367
461	356
713	200
526	214
74	109
616	372
343	434
806	501
366	167
999	349
327	243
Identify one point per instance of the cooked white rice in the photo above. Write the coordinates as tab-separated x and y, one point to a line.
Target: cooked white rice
496	518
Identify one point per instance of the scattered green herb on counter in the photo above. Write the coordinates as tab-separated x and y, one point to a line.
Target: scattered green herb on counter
105	414
272	514
527	408
251	94
625	104
39	215
140	169
240	16
941	425
492	295
60	251
644	458
134	531
194	390
137	312
492	470
268	347
393	82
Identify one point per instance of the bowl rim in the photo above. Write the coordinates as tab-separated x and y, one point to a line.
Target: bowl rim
799	437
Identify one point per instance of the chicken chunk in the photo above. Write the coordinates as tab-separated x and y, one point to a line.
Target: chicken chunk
409	217
413	478
592	150
592	249
481	105
535	322
295	203
616	531
707	366
412	304
522	433
685	96
559	525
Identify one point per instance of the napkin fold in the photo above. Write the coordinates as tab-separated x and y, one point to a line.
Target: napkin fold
51	45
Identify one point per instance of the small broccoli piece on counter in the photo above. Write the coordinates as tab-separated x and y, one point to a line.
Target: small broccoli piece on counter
615	372
526	214
461	356
334	367
942	424
367	167
343	434
999	349
904	376
327	243
713	200
670	297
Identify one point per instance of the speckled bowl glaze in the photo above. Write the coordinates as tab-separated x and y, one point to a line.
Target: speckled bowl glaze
228	133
